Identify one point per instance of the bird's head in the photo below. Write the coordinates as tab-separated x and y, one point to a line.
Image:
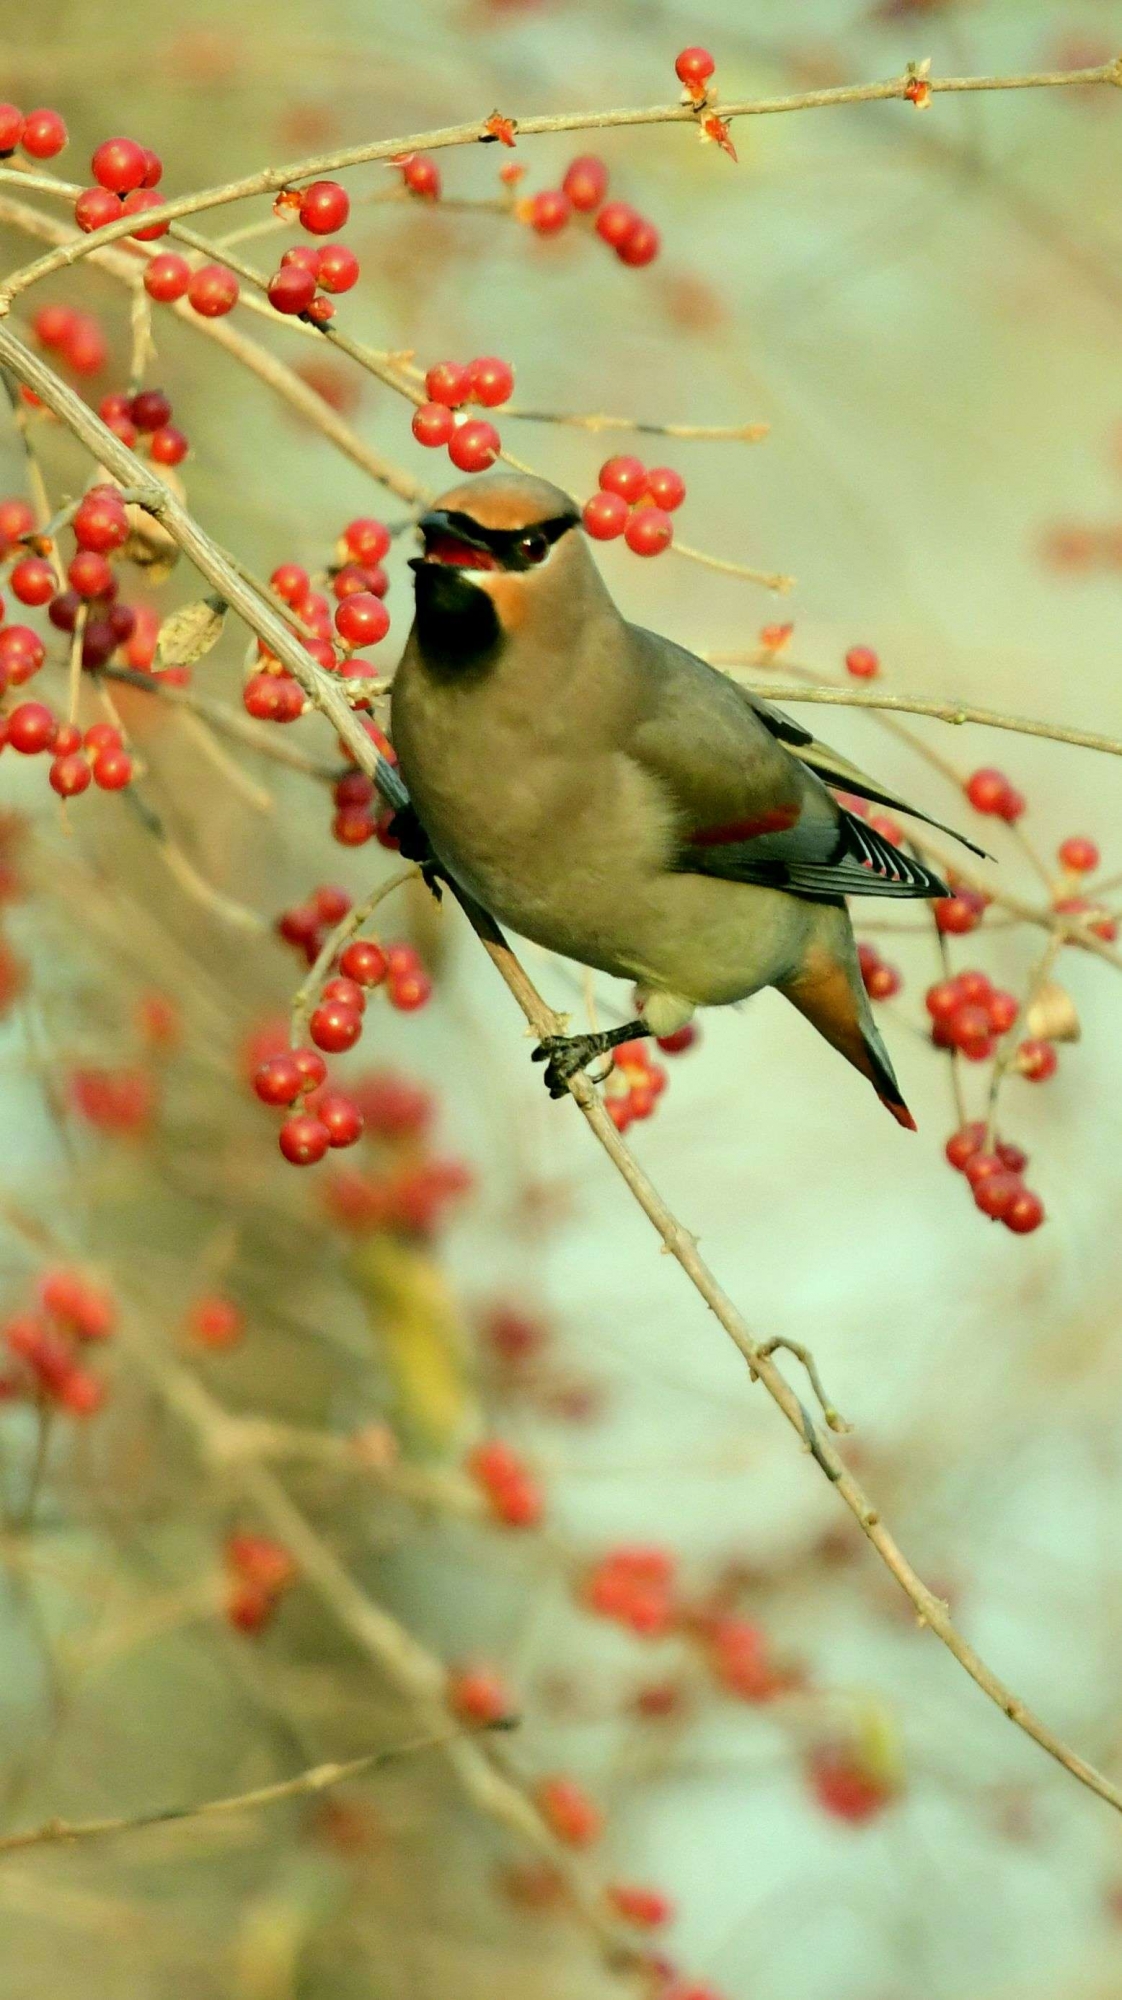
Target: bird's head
501	553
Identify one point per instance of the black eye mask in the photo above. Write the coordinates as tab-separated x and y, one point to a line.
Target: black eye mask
455	540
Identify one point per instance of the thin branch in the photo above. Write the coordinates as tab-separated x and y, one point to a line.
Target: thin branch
269	180
956	712
318	1778
346	928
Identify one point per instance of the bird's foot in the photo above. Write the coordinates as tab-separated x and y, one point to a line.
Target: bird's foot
413	843
564	1055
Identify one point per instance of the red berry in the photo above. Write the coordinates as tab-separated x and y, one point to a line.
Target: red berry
303	1139
335	1027
307	255
112	770
54	324
433	424
981	1165
586	183
167	277
330	903
135	204
338	268
346	991
956	915
1003	1009
987	790
409	990
641	245
291	289
478	1695
312	1067
324	207
569	1812
90	574
341	1117
648	531
16	520
11	125
102	736
421	175
290	582
1077	854
33	580
22	653
69	775
365	962
971	1033
149	409
85	350
625	476
995	1194
101	523
95	207
68	739
153	168
43	135
862	663
1037	1061
448	382
616	222
278	1080
212	291
492	380
167	446
474	446
215	1321
605	516
1024	1213
694	67
549	211
964	1144
366	540
31	728
666	487
362	619
120	165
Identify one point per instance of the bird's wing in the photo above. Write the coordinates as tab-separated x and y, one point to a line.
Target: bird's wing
747	807
837	771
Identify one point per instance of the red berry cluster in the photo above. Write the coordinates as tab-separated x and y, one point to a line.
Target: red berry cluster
634	1085
882	981
968	1013
962	911
990	791
46	1343
582	192
41	133
75	337
473	443
145	415
509	1487
97	757
210	289
126	175
635	502
258	1573
307	273
739	1656
996	1178
633	1587
359	618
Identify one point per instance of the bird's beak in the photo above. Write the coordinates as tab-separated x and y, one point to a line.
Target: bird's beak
452	543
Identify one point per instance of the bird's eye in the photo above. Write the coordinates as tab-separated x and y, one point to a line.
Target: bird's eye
534	547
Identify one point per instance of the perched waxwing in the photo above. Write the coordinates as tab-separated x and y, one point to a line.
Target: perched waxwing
610	796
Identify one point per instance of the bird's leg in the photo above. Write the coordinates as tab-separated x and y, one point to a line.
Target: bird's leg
564	1055
413	843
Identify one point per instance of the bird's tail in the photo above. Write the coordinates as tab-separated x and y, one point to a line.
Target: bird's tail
829	990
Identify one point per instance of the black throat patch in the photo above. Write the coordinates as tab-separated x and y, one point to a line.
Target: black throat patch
457	624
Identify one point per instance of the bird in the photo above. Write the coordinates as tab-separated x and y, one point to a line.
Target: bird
615	799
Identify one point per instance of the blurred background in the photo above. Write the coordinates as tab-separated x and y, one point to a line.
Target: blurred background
802	1794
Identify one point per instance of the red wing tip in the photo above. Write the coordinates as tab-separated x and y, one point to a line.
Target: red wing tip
901	1114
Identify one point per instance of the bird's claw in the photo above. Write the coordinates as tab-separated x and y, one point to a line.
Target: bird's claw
563	1056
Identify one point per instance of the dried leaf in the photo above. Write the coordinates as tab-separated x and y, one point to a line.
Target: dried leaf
1052	1016
187	634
